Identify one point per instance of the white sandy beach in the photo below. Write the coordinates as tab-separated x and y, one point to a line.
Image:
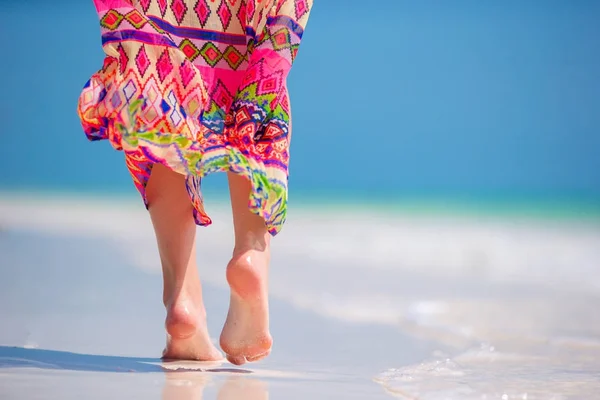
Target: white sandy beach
364	306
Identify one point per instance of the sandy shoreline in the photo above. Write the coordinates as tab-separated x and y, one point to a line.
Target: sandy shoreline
362	307
78	327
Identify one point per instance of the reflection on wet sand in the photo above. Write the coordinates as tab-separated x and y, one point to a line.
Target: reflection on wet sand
190	385
240	387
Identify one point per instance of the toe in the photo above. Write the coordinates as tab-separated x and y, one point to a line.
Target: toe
236	360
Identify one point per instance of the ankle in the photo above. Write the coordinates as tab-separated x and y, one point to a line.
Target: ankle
187	293
245	257
251	244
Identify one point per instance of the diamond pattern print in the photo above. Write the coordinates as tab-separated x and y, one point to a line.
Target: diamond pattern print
221	96
179	9
175	117
202	11
233	57
269	85
153	99
187	73
281	39
224	15
123	59
189	49
294	51
285	103
250	76
116	100
241	15
211	54
150	114
194	104
150	98
129	89
301	8
141	61
250	10
162	5
164	66
145	5
111	20
151	91
272	132
135	18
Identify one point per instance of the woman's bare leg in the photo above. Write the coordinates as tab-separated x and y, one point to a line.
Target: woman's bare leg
246	336
171	213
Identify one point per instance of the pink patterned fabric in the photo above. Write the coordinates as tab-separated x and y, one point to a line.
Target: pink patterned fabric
199	86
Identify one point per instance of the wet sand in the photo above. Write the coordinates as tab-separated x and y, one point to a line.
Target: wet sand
79	321
365	308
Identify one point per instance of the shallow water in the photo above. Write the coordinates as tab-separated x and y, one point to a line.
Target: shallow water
484	308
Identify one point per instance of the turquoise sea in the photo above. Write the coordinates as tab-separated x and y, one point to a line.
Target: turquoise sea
474	103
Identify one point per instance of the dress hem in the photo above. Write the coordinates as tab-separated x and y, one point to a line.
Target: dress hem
179	153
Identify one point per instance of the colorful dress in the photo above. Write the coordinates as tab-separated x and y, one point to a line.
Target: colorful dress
199	86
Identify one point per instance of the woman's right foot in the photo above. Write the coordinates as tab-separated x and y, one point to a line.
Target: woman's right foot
245	336
187	333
